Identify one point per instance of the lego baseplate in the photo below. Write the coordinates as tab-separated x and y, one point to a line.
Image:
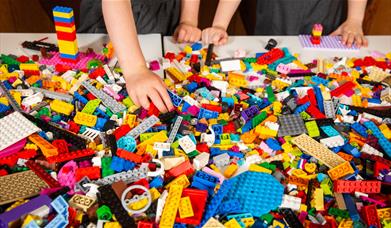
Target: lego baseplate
326	43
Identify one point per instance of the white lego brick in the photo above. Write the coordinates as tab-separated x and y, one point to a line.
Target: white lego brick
160	205
230	65
187	144
69	75
333	141
221	160
108	73
201	160
14	128
291	202
33	99
370	150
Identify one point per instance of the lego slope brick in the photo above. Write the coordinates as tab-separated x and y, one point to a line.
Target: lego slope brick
326	42
258	193
19	186
14	128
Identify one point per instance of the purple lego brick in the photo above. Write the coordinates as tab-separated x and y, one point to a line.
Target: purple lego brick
23	209
327	42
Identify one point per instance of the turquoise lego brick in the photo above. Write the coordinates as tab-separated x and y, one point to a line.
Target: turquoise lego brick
258	193
329	131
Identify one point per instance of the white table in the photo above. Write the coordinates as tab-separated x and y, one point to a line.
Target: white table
10	43
254	44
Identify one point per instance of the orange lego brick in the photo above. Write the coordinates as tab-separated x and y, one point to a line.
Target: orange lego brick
341	170
47	148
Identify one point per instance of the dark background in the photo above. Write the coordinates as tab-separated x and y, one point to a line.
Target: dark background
35	16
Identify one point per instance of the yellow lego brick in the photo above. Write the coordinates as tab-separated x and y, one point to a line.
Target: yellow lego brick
300	64
322	153
146	136
159	137
213	223
139	204
112	225
384	213
29	66
64	84
385	130
4	101
303	207
131	120
30	218
260	169
17	96
340	171
238	80
65	29
318	199
232	224
91	106
151	151
174	72
155	194
277	223
181	181
85	119
185	208
171	206
356	100
346	223
68	47
230	170
187	49
63	14
47	148
248	222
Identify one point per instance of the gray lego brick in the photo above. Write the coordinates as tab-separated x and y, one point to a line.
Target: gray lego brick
143	127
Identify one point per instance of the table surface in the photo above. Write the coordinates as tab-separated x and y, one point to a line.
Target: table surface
253	44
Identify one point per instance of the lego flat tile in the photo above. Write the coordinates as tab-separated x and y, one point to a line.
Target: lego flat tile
19	186
326	42
312	147
291	125
259	200
14	128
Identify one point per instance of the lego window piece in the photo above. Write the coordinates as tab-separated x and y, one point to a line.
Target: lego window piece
268	193
13	128
291	125
312	147
326	42
19	186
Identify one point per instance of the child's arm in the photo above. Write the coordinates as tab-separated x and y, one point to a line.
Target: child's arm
141	83
187	30
217	33
351	30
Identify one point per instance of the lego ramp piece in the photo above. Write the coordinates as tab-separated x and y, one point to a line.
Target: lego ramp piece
258	193
19	186
326	43
14	128
312	147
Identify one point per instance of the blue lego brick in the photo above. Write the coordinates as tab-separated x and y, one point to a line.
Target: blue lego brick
205	93
318	80
259	54
218	129
273	144
64	20
157	182
168	153
329	131
191	87
258	200
201	127
249	113
302	108
319	98
176	100
374	100
4	108
100	123
179	225
62	9
212	207
228	100
215	151
247	127
229	206
185	106
234	154
382	140
117	164
205	179
128	165
196	46
351	150
361	130
67	56
351	206
207	114
60	205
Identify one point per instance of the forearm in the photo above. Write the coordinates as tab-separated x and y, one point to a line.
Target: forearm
189	12
356	10
225	11
122	31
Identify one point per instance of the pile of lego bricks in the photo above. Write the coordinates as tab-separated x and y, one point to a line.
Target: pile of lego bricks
254	141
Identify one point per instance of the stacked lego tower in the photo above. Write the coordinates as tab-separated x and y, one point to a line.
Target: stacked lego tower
66	33
316	34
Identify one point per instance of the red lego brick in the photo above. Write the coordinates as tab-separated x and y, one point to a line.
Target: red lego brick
170	56
152	110
216	108
315	112
64	24
70	156
145	224
229	128
198	200
121	131
129	156
97	72
3	172
62	146
194	58
379	166
184	168
73	127
13	159
202	147
311	96
370	215
93	173
303	100
270	56
315	39
345	186
68	36
39	171
375	158
348	86
22	59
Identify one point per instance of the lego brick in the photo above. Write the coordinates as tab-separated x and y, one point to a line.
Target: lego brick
187	144
41	173
85	119
65	29
351	206
312	147
171	206
19	186
13	128
346	186
291	202
329	109
143	127
70	156
333	141
54	95
174	129
370	215
185	208
340	170
48	150
61	107
81	202
290	218
68	47
61	11
291	125
269	192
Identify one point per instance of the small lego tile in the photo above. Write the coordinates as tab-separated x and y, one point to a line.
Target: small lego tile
291	125
19	186
312	147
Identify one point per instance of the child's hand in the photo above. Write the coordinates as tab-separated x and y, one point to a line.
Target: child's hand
144	86
187	33
215	35
351	32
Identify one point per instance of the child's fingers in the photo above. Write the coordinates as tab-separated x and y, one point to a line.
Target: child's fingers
345	37
205	37
216	38
350	40
358	40
157	100
223	40
143	99
181	35
365	41
166	98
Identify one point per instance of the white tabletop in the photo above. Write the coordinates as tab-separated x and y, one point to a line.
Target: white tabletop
254	44
10	43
